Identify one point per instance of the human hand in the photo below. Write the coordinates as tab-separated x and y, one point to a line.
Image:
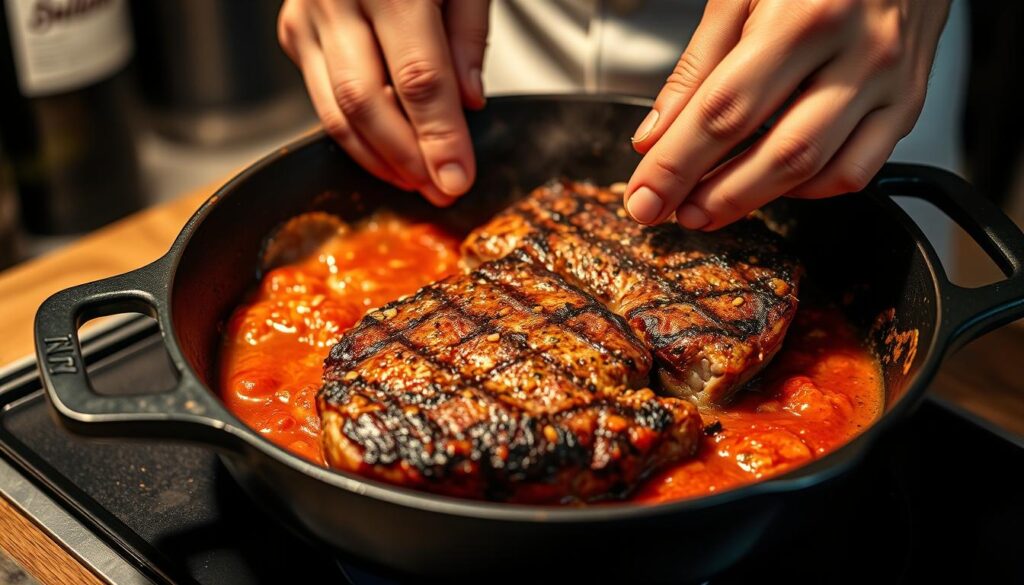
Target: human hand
389	79
862	67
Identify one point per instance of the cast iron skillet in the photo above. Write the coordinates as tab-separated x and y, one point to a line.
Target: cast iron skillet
860	248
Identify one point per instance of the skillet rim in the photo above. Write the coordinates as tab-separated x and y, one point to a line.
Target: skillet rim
813	473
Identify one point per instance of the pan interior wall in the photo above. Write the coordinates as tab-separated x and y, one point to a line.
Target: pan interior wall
858	254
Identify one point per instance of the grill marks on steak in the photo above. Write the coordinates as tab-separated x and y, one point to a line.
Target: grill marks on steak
507	383
712	307
524	380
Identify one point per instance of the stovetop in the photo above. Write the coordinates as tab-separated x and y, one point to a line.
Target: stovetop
939	500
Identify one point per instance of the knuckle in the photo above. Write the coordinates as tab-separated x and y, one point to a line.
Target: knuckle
670	166
722	115
797	157
887	47
685	76
336	127
352	96
852	177
886	54
418	81
437	134
732	203
821	16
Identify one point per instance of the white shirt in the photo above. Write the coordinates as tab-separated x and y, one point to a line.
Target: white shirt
630	47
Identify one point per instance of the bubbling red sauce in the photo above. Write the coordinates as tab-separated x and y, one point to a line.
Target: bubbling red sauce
822	389
276	342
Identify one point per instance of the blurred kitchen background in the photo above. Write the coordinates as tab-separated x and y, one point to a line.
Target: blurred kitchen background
166	96
162	97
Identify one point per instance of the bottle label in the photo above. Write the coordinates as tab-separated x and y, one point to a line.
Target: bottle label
62	45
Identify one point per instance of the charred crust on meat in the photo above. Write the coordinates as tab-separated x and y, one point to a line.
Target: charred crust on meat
713	429
527	379
531	424
676	288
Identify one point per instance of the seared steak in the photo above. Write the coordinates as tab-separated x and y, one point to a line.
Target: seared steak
713	308
507	383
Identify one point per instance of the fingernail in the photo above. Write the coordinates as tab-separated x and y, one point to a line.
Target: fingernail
644	205
645	128
453	179
692	217
476	80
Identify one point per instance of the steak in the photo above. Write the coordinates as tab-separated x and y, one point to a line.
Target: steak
507	383
713	308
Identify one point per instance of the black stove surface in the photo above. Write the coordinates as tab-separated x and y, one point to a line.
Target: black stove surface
938	502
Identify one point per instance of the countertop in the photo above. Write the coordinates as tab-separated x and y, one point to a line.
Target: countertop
982	379
116	248
121	246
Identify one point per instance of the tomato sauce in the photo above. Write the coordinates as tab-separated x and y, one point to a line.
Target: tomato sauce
275	344
821	390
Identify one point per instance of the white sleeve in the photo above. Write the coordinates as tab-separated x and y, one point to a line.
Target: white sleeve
594	46
630	46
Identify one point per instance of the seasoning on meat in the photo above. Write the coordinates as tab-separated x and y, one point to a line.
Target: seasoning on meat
507	383
713	308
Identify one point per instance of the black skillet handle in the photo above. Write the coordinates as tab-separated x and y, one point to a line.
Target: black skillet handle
968	313
186	411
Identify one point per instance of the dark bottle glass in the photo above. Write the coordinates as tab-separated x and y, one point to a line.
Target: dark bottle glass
8	214
65	119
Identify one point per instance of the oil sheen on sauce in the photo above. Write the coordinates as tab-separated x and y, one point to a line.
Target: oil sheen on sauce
822	389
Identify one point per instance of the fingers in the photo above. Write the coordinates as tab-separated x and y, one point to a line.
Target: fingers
415	46
335	124
466	22
314	72
739	95
796	148
346	79
862	69
718	32
860	158
357	86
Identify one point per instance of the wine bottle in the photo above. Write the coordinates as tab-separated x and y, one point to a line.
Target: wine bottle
66	117
8	214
